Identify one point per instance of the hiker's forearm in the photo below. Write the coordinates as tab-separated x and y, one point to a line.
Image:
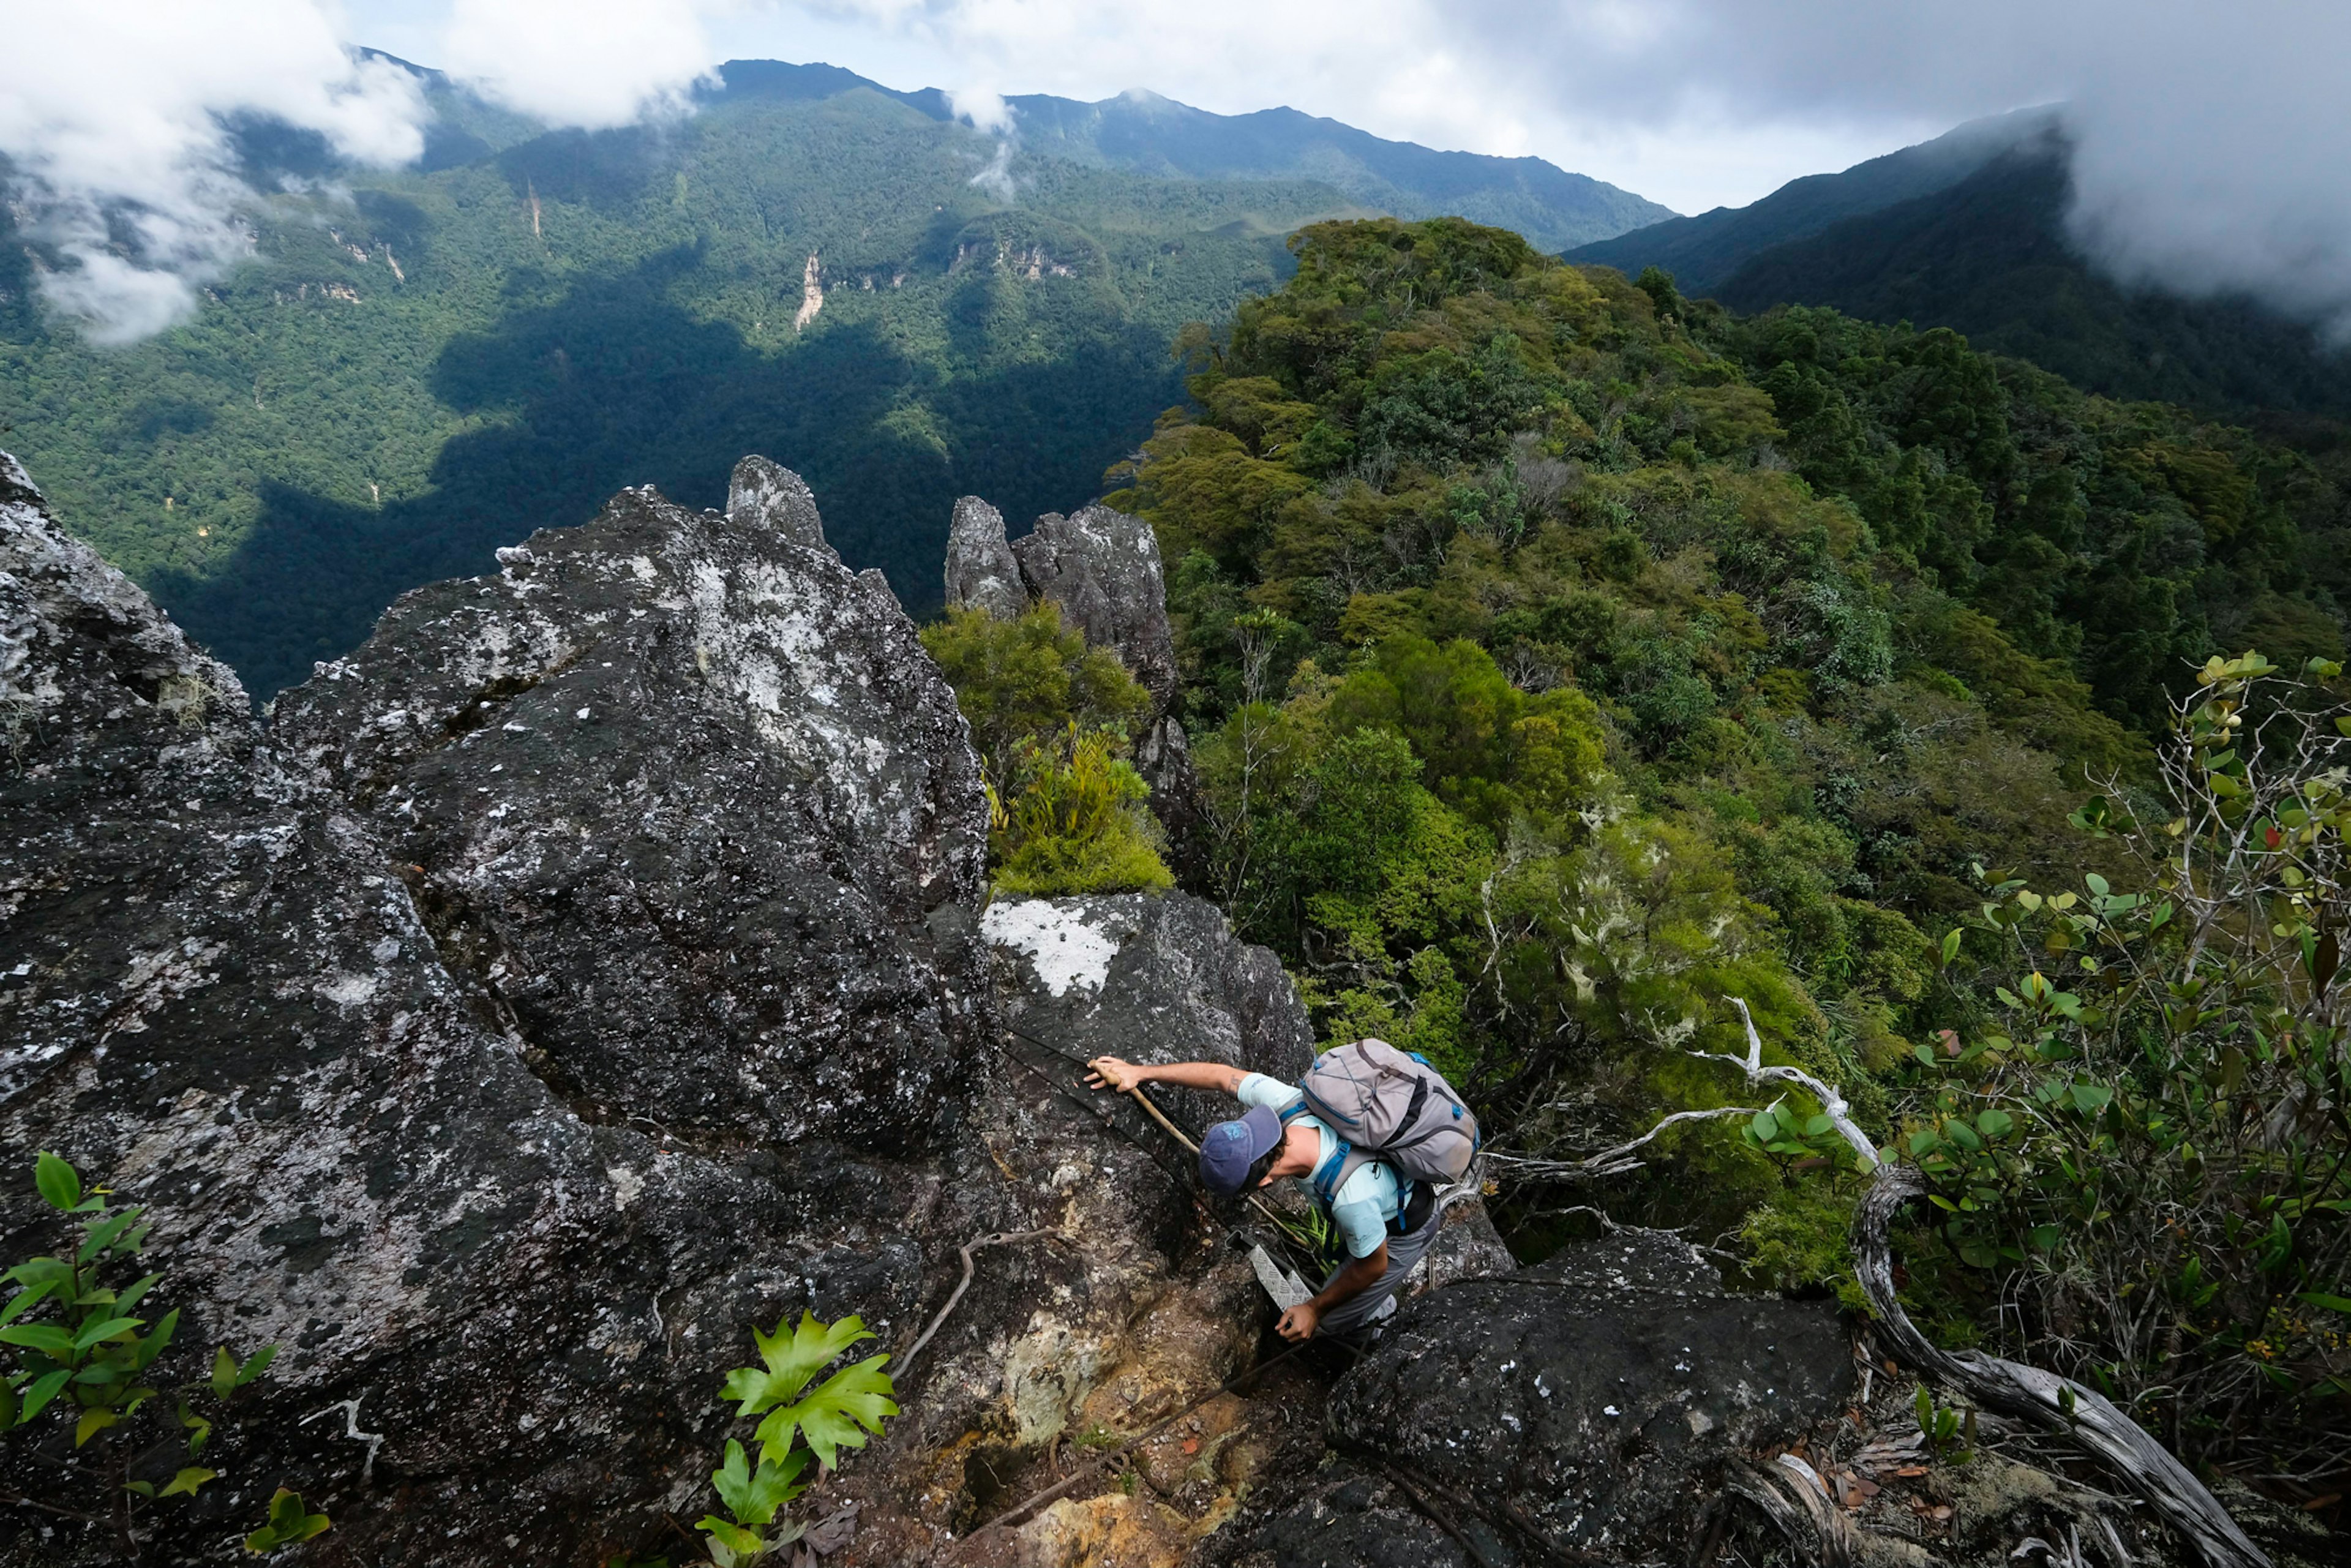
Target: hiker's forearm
1194	1075
1353	1281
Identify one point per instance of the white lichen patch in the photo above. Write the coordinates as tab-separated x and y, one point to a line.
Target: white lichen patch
1060	944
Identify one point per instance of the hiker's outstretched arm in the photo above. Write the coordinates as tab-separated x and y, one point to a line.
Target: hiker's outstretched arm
1110	1072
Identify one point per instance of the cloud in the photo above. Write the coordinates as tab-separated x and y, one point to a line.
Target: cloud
589	63
2211	142
983	108
124	177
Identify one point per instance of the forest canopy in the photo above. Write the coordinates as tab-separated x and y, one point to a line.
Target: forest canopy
1563	658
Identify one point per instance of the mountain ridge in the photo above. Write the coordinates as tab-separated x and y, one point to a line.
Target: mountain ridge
1702	250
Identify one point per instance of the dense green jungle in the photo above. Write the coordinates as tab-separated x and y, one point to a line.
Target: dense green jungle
413	368
416	367
1564	659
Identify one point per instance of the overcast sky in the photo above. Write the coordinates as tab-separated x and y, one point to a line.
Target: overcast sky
2212	140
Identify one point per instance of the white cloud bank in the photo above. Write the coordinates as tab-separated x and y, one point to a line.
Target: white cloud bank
111	114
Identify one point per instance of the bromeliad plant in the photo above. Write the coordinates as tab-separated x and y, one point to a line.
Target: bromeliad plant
799	1423
2149	1151
81	1356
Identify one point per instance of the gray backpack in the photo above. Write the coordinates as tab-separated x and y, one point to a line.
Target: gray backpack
1387	1106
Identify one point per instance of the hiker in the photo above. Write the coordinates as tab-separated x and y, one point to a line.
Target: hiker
1411	1134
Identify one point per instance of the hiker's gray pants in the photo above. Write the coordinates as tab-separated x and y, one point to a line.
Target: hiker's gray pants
1358	1313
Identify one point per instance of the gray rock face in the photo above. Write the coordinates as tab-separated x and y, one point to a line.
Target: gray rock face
762	493
223	997
1591	1401
1153	979
670	778
504	1064
982	573
1102	568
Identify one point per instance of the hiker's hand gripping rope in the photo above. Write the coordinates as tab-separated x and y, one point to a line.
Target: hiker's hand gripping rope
1126	1077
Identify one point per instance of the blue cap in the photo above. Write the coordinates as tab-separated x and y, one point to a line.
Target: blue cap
1229	1148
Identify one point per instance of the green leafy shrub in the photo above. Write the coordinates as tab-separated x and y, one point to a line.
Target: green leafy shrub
80	1357
1076	822
1053	720
1018	681
2143	1150
798	1423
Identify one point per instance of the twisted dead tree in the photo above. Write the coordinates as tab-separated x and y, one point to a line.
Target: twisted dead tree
2056	1405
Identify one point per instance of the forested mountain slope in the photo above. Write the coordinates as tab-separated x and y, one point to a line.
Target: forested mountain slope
1990	256
417	366
1154	135
1969	231
1702	250
1564	659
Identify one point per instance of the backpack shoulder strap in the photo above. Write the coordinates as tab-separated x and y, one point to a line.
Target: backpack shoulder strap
1329	1175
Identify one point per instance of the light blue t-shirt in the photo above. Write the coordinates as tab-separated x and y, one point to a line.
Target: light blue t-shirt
1365	1201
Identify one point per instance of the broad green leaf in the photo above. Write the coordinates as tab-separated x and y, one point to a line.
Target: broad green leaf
132	1297
224	1373
25	1299
790	1363
1995	1124
754	1496
289	1522
44	1390
188	1480
742	1543
1951	944
255	1364
56	1181
2090	1098
94	1420
105	1328
144	1488
39	1270
46	1338
153	1345
1766	1126
829	1418
102	1236
2332	1303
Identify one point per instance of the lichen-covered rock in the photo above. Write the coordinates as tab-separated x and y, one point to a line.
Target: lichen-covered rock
1153	978
1592	1400
1102	567
982	573
1135	1302
672	777
220	994
441	1032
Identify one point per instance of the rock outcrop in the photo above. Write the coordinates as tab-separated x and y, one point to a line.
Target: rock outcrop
1585	1408
351	1014
582	972
982	573
1102	567
665	779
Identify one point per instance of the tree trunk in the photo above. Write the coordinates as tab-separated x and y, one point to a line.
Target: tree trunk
2027	1394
